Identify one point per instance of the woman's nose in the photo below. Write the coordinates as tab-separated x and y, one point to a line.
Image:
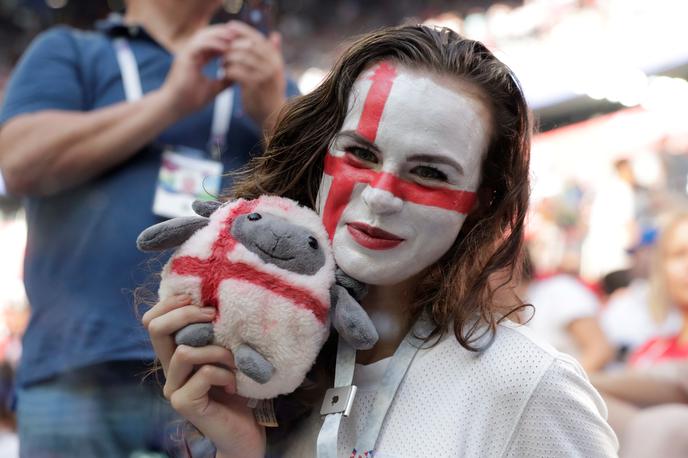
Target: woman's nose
381	202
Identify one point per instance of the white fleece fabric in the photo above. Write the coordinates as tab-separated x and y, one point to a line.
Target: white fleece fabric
521	398
286	334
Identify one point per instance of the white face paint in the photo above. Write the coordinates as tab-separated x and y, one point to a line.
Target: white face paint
402	173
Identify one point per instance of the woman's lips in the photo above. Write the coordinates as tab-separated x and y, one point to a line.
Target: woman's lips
372	237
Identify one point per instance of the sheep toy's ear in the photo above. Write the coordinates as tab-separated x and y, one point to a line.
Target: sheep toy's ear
205	207
170	233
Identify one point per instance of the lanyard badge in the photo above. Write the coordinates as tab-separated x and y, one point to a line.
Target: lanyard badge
182	179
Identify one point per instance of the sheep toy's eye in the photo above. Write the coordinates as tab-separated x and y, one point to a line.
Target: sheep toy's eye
254	217
313	243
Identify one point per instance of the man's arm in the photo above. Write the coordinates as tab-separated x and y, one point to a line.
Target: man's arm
51	150
45	152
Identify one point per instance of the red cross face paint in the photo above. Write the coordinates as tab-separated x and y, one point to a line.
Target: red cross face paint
402	173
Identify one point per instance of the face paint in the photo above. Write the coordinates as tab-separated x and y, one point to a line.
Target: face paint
401	174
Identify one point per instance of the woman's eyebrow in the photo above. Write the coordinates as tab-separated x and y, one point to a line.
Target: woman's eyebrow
437	159
356	137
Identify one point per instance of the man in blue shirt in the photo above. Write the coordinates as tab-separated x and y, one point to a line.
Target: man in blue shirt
88	161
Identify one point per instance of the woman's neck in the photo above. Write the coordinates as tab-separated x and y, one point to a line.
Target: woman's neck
171	22
388	308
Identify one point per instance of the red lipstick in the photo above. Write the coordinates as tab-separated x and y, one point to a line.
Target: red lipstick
371	237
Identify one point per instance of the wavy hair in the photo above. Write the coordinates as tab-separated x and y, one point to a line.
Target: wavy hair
457	288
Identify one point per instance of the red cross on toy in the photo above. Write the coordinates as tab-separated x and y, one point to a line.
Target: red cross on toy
217	267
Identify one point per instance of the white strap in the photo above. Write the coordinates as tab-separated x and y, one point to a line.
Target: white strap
395	373
222	117
346	363
327	438
129	70
343	376
222	110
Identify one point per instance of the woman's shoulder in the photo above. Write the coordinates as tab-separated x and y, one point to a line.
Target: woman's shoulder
508	370
519	392
515	368
513	340
513	348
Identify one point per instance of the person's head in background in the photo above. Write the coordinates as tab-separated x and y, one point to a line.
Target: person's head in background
669	269
624	169
450	97
615	282
642	253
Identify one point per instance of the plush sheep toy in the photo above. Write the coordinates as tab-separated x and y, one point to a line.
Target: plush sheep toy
267	267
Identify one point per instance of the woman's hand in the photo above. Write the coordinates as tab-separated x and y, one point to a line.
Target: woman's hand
200	382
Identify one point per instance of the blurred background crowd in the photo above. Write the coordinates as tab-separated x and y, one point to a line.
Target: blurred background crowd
607	236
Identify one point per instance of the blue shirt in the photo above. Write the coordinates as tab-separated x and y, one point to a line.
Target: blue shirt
82	266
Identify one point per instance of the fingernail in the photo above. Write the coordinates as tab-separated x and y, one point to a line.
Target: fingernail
210	311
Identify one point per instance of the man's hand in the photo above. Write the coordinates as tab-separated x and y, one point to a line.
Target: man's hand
256	64
186	87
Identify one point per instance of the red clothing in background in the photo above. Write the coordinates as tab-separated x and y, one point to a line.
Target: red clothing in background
659	350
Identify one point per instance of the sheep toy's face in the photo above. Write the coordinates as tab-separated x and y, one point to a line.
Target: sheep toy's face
279	242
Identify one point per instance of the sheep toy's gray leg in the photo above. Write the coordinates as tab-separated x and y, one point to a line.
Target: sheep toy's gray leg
356	288
253	364
351	320
195	335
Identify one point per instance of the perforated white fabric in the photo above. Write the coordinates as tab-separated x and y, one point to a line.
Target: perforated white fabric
520	398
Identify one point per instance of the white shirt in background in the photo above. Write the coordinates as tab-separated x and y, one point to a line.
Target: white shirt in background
558	301
627	322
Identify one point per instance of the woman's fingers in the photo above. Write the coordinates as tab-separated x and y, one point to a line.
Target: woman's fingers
191	400
176	319
162	328
186	358
165	306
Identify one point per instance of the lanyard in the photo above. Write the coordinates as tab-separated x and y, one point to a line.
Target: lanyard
338	400
222	110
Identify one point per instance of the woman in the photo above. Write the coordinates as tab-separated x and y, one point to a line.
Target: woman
648	403
668	291
415	151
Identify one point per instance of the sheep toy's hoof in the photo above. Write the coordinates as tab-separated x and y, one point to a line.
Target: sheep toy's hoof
253	364
195	335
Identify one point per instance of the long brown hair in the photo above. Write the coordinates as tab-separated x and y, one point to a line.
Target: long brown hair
457	289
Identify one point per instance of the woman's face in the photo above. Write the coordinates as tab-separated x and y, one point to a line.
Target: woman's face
676	264
402	173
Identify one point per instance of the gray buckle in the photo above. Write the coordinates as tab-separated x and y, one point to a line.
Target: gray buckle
338	400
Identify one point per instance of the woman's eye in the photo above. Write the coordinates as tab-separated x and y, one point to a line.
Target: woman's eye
362	154
429	173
